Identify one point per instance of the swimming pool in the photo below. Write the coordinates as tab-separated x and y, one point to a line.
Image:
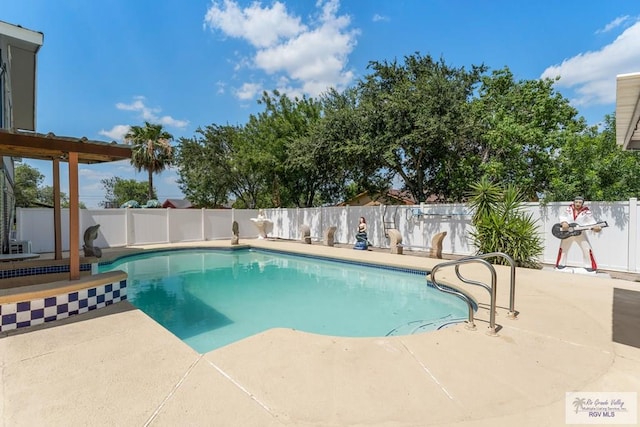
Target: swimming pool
211	298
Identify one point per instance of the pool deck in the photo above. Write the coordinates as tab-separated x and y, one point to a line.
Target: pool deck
116	366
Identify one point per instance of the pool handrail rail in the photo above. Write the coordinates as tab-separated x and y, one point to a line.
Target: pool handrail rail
512	314
492	290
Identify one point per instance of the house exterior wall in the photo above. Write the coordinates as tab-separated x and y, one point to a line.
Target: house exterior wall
18	51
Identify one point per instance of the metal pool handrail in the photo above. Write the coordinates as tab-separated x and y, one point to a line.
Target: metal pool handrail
512	287
491	289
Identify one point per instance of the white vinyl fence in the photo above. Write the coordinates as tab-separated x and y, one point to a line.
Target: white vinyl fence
615	248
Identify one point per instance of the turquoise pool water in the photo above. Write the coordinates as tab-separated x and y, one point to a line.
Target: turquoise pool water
210	298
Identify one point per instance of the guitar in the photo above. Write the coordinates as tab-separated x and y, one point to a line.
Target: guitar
574	229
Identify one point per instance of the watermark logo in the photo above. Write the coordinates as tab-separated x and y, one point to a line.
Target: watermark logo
601	408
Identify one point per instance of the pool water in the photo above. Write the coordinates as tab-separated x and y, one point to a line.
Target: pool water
211	298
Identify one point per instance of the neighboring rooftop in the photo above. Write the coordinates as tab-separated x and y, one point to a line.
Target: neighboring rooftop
177	204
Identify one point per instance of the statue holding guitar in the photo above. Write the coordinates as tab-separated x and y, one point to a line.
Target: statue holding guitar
573	221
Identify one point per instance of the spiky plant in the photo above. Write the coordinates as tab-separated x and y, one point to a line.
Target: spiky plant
500	225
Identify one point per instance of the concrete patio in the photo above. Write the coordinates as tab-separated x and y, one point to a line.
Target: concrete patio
116	366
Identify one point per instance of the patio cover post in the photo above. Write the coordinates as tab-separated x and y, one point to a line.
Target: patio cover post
57	221
74	215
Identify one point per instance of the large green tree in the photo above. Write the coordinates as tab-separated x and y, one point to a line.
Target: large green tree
119	190
203	164
348	162
593	165
283	132
415	114
250	169
432	128
151	150
224	160
283	156
29	191
27	181
520	126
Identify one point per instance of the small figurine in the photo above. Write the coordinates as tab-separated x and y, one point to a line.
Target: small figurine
362	242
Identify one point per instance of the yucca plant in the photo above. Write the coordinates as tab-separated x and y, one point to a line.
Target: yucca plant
502	226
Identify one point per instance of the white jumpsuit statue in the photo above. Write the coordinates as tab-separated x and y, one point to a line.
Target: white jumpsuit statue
581	215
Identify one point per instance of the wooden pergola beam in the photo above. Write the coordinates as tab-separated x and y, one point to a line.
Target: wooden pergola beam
49	147
71	150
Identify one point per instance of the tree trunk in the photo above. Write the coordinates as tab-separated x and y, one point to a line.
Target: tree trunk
150	186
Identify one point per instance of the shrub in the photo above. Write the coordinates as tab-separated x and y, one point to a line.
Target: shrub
500	225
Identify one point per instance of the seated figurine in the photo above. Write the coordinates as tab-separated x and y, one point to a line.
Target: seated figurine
362	242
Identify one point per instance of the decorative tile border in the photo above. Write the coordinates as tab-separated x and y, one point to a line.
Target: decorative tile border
34	312
46	269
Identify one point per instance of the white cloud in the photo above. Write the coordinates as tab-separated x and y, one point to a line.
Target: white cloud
312	57
614	24
170	121
592	75
116	133
150	114
260	26
377	18
90	174
248	91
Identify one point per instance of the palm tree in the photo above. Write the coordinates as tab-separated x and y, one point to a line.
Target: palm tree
151	150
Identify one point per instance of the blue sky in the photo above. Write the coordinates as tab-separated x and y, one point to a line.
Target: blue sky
107	65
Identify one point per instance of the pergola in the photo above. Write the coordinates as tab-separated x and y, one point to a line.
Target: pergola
628	111
72	150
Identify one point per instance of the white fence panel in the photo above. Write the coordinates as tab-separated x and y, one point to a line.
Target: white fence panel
217	224
36	225
311	217
418	224
611	245
185	225
335	217
147	226
112	232
285	225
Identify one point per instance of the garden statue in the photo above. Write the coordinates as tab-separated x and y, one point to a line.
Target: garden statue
362	242
576	218
235	239
262	222
91	234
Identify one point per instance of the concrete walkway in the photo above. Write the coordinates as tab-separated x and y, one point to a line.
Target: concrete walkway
116	366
